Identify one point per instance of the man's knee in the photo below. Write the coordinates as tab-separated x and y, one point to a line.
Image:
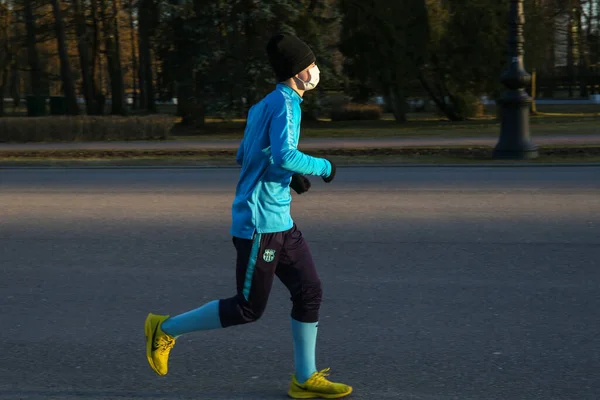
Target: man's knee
251	313
237	311
307	302
312	294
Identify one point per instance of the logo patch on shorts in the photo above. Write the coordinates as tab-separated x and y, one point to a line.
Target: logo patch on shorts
269	255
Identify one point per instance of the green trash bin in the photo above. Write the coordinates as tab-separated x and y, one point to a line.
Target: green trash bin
36	106
58	105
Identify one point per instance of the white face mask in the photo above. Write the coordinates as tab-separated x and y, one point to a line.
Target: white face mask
313	81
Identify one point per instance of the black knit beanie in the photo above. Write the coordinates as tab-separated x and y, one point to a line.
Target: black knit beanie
288	56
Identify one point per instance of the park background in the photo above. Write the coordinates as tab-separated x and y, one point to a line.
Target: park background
475	281
169	69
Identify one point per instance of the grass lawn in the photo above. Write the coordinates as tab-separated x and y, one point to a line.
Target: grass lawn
551	120
425	126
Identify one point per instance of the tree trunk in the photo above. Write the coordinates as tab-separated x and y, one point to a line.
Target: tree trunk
85	59
65	69
398	103
96	60
145	8
113	57
598	38
142	32
118	84
549	74
134	66
185	102
10	68
586	51
3	86
571	53
7	59
95	41
581	49
184	73
32	52
142	58
14	89
200	99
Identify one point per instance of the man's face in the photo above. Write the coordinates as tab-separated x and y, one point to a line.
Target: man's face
305	75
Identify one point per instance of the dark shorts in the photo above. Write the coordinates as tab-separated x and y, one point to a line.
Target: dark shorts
284	254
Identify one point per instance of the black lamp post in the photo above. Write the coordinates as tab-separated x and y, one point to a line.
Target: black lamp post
514	140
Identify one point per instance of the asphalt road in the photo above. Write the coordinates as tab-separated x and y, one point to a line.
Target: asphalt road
440	283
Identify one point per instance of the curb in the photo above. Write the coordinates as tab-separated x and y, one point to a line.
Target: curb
399	165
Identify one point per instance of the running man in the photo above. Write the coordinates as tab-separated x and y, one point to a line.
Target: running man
267	240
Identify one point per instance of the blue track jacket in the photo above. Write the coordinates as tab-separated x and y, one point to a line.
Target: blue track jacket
269	156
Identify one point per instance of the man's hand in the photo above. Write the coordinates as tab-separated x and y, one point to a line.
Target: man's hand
332	174
300	183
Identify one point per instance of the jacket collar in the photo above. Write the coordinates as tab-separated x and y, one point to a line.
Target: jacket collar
289	91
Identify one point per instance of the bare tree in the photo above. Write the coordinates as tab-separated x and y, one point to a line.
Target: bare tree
96	57
6	56
110	20
597	50
86	59
133	53
33	55
14	90
65	68
146	23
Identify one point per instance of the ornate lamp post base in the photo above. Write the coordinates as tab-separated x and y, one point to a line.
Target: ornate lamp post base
514	140
514	143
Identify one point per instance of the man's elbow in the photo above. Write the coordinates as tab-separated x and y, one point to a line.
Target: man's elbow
285	160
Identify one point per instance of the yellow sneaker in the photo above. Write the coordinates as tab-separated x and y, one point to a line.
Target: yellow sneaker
318	387
158	343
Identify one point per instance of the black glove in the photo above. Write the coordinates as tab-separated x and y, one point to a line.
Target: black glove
332	175
300	183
